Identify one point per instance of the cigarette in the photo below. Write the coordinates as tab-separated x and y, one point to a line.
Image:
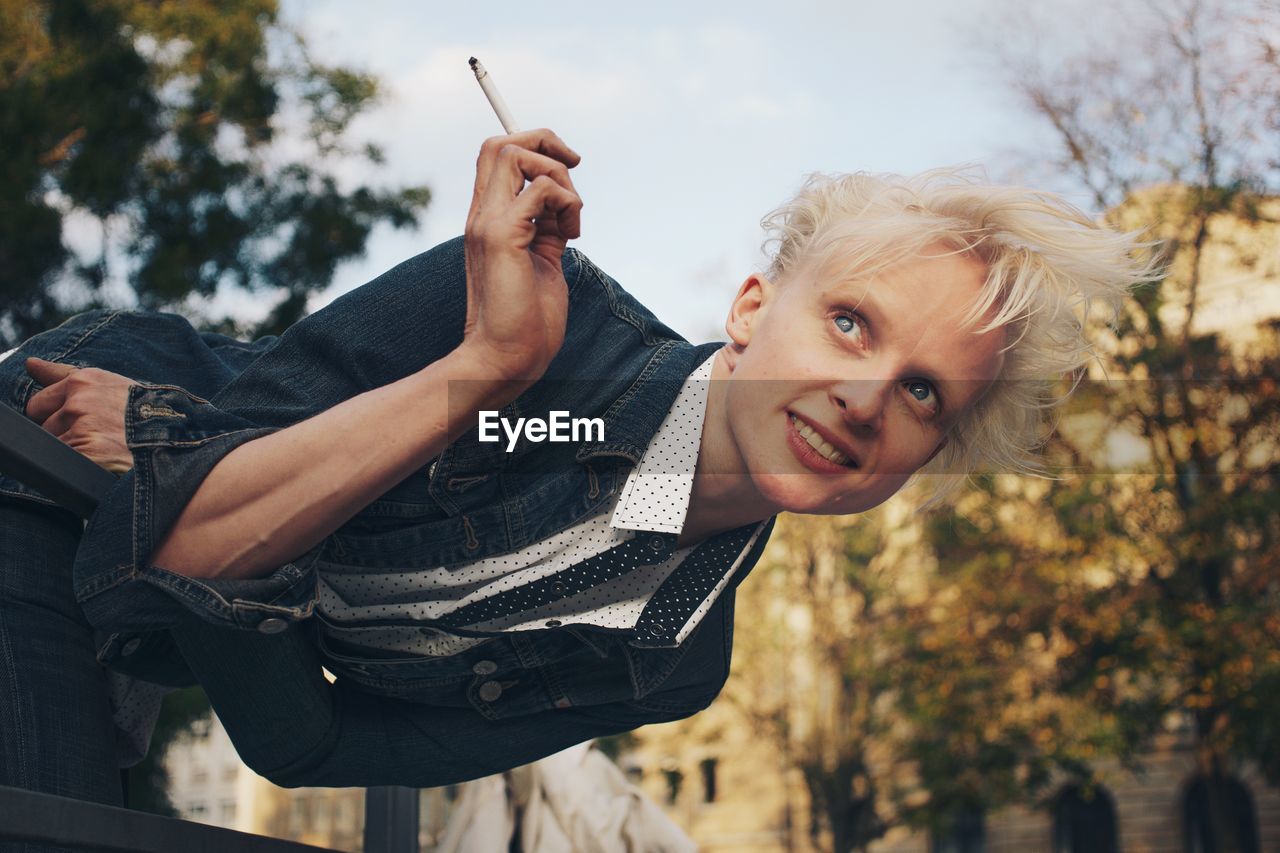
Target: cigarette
495	100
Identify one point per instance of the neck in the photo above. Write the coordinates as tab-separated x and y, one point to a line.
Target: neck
723	496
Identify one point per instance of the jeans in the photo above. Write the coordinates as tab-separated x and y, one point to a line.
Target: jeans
55	715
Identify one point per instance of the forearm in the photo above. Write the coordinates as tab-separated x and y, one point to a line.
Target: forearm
277	496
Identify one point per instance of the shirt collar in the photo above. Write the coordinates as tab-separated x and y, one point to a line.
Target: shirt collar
656	494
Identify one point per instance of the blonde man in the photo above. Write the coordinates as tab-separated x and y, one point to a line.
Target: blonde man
328	499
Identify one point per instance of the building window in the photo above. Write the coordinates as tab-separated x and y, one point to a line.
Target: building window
199	774
673	778
1199	835
197	811
708	766
964	833
228	812
1084	821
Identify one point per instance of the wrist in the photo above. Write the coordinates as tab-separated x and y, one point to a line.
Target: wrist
498	374
487	378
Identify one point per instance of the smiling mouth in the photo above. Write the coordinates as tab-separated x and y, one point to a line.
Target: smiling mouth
815	442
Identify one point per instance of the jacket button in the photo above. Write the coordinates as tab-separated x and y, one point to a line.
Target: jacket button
130	647
272	625
656	543
554	623
484	667
655	630
490	691
559	587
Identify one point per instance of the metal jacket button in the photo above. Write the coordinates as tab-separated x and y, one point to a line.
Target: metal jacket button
490	691
130	647
484	667
656	543
272	625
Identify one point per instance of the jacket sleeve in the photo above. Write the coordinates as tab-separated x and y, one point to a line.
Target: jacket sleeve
395	325
392	327
291	725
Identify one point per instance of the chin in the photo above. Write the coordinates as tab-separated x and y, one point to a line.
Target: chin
796	493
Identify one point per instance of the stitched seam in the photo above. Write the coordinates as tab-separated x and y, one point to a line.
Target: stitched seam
617	308
11	672
25	386
89	332
650	368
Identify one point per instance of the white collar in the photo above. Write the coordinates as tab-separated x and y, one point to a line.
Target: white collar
656	495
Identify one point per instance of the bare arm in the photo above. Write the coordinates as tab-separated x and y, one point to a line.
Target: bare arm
268	500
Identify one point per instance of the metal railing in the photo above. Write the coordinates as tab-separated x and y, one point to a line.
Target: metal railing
37	458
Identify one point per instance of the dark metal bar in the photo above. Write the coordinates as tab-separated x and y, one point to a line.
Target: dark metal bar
39	459
391	820
45	818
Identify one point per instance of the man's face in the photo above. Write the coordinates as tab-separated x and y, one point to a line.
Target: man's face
878	368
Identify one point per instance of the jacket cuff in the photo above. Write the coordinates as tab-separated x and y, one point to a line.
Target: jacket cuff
176	439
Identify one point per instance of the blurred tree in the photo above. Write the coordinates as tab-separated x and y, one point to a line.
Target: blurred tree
906	690
154	133
809	675
1069	620
1173	121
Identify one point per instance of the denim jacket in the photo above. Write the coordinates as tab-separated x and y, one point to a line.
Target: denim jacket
203	395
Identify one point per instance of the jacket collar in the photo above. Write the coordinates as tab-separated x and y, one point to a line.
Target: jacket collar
631	422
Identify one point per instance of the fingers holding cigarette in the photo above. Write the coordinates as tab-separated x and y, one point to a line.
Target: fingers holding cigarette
555	211
541	141
501	193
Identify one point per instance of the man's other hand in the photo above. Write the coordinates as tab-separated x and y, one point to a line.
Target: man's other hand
84	407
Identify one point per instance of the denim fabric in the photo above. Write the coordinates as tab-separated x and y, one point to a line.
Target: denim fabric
56	734
253	644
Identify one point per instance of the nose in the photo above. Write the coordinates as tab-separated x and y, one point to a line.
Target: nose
862	402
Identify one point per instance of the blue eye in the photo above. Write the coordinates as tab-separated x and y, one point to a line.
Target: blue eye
921	390
846	323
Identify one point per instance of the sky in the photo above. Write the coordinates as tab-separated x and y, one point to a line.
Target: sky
693	120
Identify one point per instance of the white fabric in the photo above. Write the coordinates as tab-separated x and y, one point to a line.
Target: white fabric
576	801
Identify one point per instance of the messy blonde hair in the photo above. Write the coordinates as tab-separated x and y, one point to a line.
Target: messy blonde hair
1049	265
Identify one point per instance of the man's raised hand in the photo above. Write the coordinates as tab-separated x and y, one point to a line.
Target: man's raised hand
523	212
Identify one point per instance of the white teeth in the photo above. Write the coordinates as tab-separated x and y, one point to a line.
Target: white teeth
818	443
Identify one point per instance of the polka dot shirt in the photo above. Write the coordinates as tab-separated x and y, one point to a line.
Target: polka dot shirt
598	573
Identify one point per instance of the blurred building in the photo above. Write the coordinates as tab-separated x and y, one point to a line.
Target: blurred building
207	781
734	794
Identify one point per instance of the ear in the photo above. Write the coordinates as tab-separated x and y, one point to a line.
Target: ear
746	312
